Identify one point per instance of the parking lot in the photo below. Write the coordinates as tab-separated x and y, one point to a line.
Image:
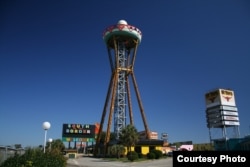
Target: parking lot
99	162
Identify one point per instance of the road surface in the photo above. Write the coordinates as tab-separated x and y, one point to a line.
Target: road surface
98	162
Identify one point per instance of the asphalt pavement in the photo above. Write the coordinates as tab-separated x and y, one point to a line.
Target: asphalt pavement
99	162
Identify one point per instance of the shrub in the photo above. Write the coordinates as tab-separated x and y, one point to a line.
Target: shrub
151	155
158	153
140	155
35	158
132	155
11	161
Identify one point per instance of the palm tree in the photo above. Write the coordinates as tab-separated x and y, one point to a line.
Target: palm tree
117	150
56	145
101	148
103	135
129	136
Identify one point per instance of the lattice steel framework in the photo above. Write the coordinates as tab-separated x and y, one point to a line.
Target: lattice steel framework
120	105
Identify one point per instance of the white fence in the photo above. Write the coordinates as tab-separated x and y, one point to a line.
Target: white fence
6	152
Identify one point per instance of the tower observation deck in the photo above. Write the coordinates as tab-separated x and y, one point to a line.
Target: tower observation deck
122	41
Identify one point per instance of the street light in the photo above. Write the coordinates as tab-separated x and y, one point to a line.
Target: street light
50	141
46	126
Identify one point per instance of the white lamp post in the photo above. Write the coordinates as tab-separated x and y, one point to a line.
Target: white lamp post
46	126
50	141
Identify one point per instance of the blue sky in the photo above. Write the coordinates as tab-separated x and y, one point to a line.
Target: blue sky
54	64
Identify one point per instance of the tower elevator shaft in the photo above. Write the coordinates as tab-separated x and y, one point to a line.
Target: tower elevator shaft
120	101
